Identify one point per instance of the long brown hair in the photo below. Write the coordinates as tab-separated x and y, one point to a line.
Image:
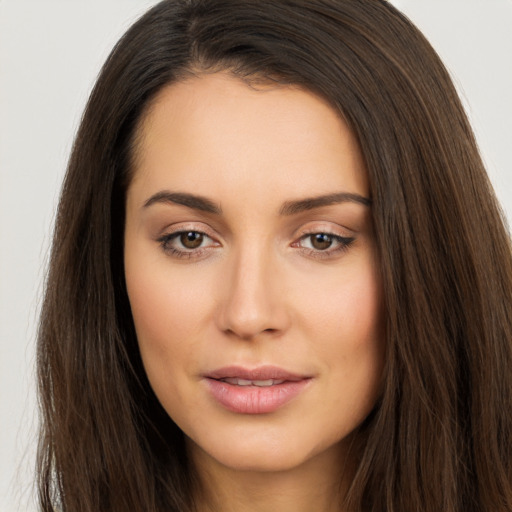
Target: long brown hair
440	437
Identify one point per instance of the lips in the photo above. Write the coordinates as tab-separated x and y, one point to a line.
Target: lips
261	390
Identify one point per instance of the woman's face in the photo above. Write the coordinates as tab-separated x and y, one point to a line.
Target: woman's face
251	272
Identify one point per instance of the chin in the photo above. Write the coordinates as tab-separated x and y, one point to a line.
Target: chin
261	461
263	453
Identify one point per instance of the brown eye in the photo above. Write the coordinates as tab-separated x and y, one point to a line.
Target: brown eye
187	244
191	239
321	241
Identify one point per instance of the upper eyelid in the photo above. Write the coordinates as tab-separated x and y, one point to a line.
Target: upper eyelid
338	230
181	227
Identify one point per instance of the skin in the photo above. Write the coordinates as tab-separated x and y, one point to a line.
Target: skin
258	289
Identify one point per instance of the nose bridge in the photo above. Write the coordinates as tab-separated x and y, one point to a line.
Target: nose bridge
253	301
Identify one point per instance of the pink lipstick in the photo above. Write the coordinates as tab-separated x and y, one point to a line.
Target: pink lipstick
258	391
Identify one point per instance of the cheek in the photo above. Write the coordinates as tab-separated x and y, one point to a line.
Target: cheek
168	307
347	308
168	312
345	319
157	306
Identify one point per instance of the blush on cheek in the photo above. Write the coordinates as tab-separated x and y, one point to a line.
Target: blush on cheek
164	310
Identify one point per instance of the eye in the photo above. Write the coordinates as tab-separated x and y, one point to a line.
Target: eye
323	244
186	244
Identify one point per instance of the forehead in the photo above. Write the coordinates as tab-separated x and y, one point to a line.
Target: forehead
216	134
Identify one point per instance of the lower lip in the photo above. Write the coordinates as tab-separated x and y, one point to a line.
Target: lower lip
255	399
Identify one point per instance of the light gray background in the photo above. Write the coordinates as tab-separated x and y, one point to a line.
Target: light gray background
50	54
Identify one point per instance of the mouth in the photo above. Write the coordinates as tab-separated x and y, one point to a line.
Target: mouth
261	390
244	382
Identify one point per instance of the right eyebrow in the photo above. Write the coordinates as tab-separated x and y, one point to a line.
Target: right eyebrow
189	200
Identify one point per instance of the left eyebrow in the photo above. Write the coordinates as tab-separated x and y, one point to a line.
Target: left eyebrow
310	203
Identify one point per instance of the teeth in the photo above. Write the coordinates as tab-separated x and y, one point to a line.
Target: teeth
244	382
263	383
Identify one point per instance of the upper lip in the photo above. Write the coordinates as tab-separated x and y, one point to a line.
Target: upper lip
259	373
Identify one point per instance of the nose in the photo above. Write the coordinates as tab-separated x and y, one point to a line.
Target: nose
254	299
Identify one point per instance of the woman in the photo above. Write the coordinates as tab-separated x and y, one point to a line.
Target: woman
280	279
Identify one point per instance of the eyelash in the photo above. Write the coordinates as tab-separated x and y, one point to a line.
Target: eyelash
342	244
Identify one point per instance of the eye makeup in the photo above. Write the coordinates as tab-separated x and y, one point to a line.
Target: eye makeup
191	243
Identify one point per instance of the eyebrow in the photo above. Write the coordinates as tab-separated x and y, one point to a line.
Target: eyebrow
288	208
189	200
310	203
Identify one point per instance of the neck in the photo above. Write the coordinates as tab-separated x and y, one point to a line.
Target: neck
318	484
